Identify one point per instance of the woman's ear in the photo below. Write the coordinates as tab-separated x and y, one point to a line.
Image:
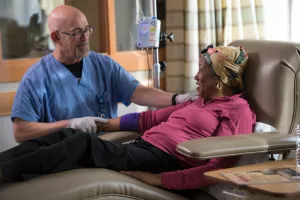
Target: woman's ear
218	80
219	85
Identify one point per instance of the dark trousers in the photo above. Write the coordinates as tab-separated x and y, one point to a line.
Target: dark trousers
69	149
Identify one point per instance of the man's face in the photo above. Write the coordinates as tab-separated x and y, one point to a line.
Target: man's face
74	40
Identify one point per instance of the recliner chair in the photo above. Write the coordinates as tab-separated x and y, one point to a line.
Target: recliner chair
272	83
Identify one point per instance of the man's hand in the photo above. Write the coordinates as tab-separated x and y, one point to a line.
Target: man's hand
146	177
86	124
181	98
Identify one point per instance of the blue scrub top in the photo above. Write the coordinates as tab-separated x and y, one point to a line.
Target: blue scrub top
49	92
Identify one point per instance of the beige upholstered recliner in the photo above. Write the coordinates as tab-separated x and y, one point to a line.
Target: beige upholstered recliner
272	83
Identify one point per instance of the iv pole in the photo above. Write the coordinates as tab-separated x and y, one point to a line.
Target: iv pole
156	65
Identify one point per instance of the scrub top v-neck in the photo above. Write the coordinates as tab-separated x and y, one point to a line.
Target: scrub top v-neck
76	69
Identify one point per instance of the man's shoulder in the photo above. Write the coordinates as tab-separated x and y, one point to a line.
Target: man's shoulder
102	61
39	65
99	56
37	70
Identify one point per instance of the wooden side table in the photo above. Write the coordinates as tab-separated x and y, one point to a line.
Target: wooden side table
275	190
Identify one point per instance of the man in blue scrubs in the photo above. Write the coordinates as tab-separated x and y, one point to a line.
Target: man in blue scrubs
74	87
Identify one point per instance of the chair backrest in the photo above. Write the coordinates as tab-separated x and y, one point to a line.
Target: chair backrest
272	82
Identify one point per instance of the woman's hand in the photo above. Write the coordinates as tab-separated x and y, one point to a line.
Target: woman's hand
146	177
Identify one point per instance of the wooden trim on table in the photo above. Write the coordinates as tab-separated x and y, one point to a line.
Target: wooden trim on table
133	60
23	62
13	70
103	24
111	29
6	102
0	49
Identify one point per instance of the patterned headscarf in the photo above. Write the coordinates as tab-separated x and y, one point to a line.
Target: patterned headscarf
228	63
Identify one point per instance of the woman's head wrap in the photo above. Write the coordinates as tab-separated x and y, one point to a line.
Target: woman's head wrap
228	63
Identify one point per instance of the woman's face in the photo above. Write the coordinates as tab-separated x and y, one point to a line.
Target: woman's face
206	80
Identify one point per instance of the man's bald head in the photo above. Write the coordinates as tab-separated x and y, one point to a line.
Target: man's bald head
66	17
63	22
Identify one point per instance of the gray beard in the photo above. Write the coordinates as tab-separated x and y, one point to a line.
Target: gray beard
80	53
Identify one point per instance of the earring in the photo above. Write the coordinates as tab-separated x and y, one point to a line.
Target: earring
219	86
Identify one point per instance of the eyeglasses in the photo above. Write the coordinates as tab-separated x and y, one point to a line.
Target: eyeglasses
77	34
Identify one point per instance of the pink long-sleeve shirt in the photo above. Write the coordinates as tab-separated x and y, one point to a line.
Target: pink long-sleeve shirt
170	126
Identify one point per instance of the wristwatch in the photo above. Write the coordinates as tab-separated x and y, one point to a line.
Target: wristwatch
174	99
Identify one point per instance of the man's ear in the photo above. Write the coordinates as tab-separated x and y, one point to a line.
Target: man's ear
54	36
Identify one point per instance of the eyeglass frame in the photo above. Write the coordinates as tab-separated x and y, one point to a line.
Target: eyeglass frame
81	32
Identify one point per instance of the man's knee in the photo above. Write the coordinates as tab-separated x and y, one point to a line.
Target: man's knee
83	136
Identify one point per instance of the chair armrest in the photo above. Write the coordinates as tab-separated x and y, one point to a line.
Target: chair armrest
120	136
225	146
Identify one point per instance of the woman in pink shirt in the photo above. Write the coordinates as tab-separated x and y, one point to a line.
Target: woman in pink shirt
220	110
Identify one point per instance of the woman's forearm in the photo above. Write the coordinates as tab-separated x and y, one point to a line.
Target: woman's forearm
128	122
112	125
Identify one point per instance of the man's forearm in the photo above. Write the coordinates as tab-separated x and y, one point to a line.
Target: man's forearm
146	96
24	130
